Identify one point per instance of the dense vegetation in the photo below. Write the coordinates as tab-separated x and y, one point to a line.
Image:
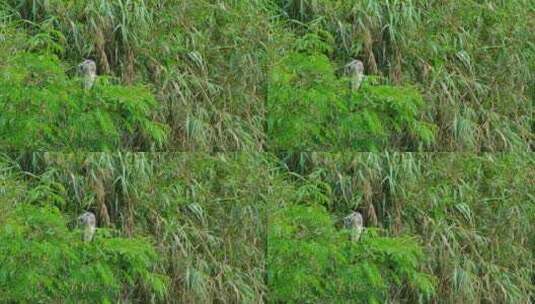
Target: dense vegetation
454	76
204	70
58	267
472	61
441	228
55	113
293	147
323	114
188	227
179	228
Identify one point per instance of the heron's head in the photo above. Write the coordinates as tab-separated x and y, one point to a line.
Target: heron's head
353	219
88	67
87	219
359	66
355	66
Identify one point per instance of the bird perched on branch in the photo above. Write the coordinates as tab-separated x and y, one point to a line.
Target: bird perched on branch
89	223
355	70
354	223
88	70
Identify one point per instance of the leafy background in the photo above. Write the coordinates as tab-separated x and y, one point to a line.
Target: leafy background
251	75
265	77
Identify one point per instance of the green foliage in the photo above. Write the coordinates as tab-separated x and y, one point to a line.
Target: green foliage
207	69
42	108
310	261
310	108
60	267
204	212
472	60
445	228
472	213
481	208
472	63
195	76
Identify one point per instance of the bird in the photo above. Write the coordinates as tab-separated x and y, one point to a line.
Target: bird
354	223
89	223
88	69
355	70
